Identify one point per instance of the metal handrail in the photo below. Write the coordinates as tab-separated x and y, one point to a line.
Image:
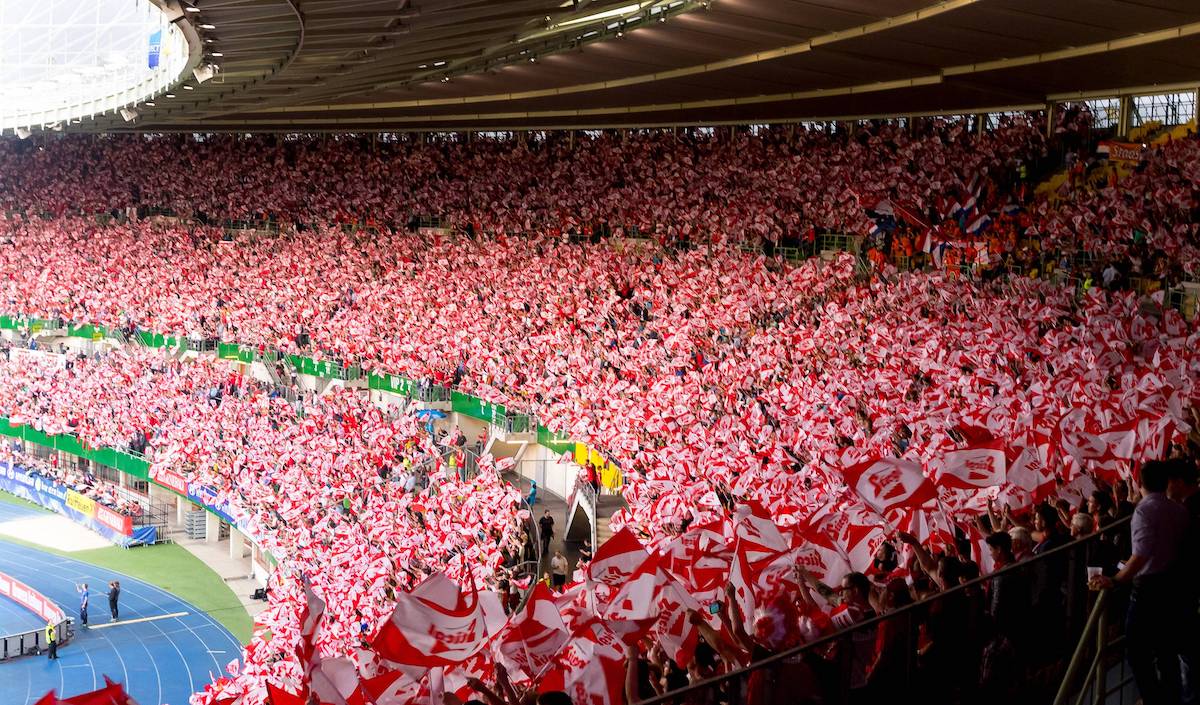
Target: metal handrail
589	492
1095	624
915	608
535	534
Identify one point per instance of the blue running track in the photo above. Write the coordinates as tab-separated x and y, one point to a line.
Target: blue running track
160	662
14	618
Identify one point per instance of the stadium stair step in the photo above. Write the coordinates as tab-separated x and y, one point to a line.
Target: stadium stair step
603	531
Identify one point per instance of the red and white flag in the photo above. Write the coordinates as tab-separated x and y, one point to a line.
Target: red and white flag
312	612
591	669
333	680
622	579
279	696
1029	471
437	624
972	468
389	687
532	639
759	535
885	484
1120	444
673	629
618	560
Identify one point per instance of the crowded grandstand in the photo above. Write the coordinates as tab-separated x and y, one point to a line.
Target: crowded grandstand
824	409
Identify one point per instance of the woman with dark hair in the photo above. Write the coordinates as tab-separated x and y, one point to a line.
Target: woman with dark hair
1100	506
885	561
1049	578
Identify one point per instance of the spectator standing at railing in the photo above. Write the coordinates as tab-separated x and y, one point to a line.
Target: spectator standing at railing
1157	603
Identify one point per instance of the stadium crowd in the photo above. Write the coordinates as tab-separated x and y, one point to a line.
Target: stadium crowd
765	415
696	187
309	481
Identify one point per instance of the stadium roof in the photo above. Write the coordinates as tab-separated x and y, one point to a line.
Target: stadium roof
358	65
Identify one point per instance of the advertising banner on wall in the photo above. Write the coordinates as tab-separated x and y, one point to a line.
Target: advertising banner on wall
207	497
171	480
113	526
30	599
1120	151
155	50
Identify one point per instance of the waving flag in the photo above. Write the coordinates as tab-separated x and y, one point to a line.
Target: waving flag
889	483
312	613
391	687
591	669
758	532
279	696
972	468
534	637
1028	471
1119	443
979	224
673	630
618	560
437	624
334	680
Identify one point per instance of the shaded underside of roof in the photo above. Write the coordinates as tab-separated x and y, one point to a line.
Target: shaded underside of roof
361	65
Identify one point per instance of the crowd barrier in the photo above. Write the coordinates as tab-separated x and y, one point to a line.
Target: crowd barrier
32	641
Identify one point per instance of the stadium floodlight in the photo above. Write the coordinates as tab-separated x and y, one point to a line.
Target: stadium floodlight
606	14
204	72
23	133
129	114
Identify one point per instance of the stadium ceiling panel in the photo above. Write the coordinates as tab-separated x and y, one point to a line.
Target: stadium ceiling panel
360	65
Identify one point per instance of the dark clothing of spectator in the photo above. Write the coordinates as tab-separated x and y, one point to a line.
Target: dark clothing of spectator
1157	602
546	527
1009	603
